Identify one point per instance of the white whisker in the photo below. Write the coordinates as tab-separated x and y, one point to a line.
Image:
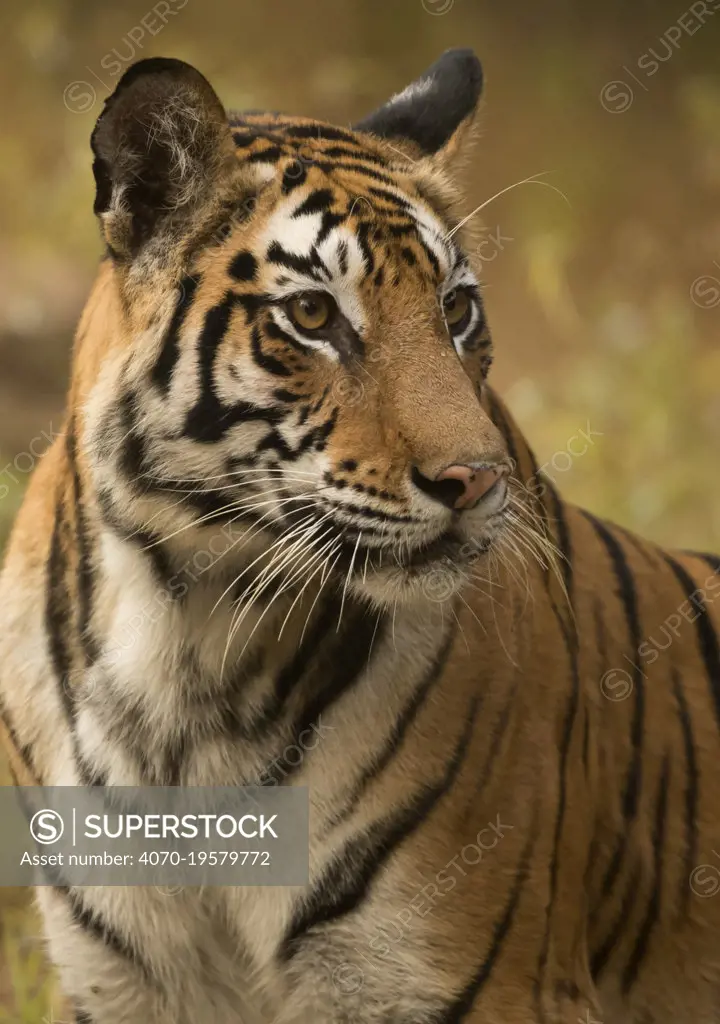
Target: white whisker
534	179
347	581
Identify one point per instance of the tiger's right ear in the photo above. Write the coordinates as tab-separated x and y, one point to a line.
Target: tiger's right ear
434	114
162	144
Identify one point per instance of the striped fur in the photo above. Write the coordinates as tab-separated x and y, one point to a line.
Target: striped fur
495	835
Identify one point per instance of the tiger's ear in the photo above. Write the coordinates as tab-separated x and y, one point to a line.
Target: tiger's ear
434	115
161	145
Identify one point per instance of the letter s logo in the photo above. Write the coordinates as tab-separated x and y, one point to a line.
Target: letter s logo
46	827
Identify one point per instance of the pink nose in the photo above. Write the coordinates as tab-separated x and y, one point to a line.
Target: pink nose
477	482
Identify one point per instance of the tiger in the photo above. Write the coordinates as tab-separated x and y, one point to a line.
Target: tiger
288	512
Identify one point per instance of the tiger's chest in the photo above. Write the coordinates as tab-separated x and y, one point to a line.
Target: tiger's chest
202	693
172	701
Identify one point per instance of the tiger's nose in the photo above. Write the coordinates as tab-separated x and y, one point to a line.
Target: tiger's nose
460	487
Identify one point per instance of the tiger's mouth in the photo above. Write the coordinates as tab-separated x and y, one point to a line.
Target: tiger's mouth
432	571
450	547
382	560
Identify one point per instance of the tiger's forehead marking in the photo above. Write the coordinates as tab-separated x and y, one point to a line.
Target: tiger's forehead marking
324	230
363	185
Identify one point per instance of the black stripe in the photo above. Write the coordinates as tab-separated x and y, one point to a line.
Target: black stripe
652	914
289	677
23	751
692	786
244	138
320	132
149	543
631	792
404	229
459	1010
329	168
705	631
316	438
339	665
289	397
360	163
408	255
276	332
535	475
499	732
600	957
59	626
349	878
474	341
202	419
571	644
581	932
319	200
243	266
271	154
342	256
85	569
209	420
586	743
124	724
162	371
311	265
58	615
642	547
396	201
82	1018
563	767
368	512
209	502
497	415
601	637
399	730
433	260
712	560
628	596
336	152
293	176
329	222
321	400
563	537
173	761
362	232
265	361
132	458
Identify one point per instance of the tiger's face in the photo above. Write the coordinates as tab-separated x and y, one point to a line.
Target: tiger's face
304	343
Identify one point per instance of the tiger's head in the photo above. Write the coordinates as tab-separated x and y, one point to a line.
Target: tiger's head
293	337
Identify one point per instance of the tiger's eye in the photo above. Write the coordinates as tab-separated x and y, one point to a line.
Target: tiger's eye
456	305
310	311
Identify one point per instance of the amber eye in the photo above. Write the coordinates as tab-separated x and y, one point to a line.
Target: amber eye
310	311
456	307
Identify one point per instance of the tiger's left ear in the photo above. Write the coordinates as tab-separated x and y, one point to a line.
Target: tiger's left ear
435	114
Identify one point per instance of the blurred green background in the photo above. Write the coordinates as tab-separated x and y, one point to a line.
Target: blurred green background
605	308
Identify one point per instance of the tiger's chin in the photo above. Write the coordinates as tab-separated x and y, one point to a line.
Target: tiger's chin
433	573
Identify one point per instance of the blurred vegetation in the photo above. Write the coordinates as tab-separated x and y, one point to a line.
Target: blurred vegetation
29	993
590	300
